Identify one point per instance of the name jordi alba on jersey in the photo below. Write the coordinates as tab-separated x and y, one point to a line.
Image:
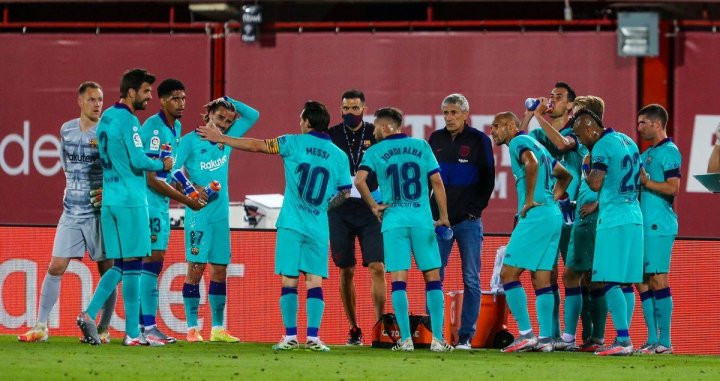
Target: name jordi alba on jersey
402	165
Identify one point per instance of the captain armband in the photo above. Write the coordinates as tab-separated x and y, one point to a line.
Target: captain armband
272	146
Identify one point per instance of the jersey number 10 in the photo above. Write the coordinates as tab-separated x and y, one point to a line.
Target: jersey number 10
308	187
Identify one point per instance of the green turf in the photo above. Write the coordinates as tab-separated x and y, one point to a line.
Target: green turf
64	358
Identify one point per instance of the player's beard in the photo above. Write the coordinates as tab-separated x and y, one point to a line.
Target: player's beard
140	105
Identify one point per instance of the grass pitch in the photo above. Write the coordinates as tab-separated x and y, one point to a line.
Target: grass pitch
65	358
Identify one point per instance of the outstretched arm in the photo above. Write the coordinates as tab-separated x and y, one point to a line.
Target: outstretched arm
211	133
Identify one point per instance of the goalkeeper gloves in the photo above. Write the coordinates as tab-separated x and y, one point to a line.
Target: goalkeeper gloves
567	208
96	197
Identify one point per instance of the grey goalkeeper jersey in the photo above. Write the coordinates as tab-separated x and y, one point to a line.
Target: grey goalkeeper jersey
83	172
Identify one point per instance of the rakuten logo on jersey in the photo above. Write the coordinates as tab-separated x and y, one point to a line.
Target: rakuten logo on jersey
15	153
213	165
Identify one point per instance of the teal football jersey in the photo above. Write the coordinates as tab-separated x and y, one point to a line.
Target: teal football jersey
205	161
315	170
403	165
585	195
155	132
571	160
543	193
662	162
122	158
617	155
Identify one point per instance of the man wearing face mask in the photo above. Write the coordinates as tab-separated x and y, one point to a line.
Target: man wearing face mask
353	218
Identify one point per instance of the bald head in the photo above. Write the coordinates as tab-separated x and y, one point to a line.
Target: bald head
505	126
508	116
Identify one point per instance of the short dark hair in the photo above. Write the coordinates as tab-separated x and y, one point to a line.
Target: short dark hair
133	79
352	94
588	112
571	92
317	114
655	112
88	85
166	87
214	105
391	113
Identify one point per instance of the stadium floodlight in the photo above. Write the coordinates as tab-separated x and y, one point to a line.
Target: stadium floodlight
214	11
638	34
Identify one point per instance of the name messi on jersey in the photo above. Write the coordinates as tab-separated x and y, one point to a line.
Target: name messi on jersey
213	164
401	151
317	152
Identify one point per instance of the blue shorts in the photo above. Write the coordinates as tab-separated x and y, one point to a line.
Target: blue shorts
208	242
658	249
297	253
582	245
159	229
398	243
125	231
619	254
534	243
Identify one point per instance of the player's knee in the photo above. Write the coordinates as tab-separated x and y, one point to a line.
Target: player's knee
432	275
313	281
571	278
377	269
58	266
658	282
508	274
218	273
194	273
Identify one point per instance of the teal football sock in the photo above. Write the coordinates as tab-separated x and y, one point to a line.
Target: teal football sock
217	297
663	315
517	301
108	283
191	301
400	305
648	308
288	309
545	304
131	296
315	305
436	306
573	306
617	304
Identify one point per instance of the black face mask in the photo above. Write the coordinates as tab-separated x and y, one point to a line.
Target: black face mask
352	120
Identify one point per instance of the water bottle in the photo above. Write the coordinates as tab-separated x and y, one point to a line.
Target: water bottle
188	188
212	190
531	104
444	232
165	151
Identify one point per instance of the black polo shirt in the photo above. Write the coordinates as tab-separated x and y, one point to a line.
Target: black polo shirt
354	144
467	167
